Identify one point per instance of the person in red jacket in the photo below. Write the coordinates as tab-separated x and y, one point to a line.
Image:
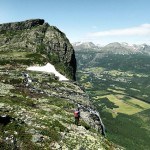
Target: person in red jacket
77	116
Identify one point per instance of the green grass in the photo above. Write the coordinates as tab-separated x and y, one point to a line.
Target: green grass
127	124
129	106
116	91
127	130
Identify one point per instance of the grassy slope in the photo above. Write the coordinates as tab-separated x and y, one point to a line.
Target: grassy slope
42	112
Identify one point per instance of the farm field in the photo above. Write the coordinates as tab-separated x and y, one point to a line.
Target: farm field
125	105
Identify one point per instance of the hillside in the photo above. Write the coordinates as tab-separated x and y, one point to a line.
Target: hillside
118	85
36	104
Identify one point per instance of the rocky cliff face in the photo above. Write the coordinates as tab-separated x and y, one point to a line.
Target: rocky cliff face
36	110
38	42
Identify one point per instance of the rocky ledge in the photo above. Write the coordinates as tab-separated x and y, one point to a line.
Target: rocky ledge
28	24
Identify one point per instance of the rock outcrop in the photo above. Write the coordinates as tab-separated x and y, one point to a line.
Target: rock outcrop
28	24
36	36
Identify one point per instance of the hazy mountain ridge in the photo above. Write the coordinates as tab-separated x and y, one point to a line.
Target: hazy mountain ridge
85	46
114	48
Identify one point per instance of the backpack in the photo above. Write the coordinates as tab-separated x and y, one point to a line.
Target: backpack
76	113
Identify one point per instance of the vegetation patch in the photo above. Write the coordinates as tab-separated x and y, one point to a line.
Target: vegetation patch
120	91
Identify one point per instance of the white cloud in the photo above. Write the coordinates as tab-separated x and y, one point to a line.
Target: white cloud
141	30
133	35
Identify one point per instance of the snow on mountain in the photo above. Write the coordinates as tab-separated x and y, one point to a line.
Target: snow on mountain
115	47
50	69
88	44
77	43
85	46
120	48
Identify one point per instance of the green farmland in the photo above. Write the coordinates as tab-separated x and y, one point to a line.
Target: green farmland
121	94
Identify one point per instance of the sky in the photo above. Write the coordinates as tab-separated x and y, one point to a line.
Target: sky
97	21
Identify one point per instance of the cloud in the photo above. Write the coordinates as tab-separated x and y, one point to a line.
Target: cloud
142	30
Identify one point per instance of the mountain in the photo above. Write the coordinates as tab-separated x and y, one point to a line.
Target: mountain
113	48
120	48
41	42
85	46
145	48
116	77
39	95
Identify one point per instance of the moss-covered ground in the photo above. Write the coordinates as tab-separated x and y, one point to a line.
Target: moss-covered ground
41	113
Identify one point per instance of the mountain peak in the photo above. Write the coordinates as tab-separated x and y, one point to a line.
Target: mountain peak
114	48
43	42
85	46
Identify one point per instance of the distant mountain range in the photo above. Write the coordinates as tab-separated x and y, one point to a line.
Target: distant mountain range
85	46
115	48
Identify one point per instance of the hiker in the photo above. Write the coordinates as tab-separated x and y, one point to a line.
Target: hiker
77	116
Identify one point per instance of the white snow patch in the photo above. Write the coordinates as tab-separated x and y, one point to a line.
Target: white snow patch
50	69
